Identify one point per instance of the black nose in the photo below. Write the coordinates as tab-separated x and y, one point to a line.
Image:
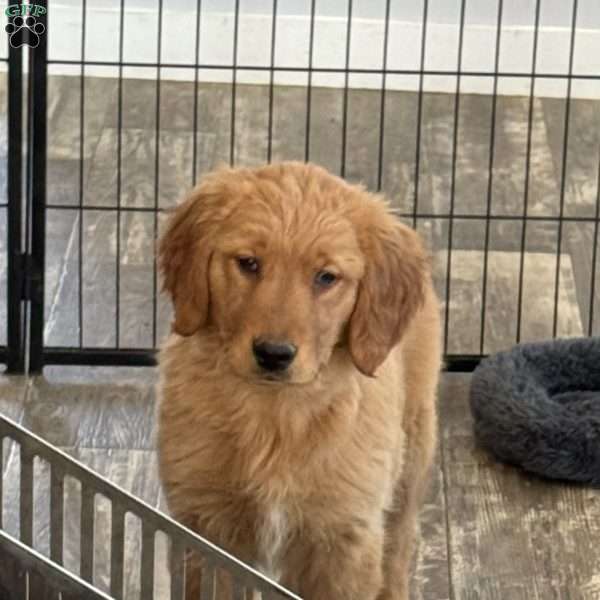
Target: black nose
273	356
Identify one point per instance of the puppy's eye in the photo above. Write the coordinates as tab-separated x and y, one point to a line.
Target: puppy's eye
325	279
247	264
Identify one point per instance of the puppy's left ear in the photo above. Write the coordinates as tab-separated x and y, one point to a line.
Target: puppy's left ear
391	291
184	253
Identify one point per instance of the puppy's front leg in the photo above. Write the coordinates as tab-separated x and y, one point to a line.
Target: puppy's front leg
348	567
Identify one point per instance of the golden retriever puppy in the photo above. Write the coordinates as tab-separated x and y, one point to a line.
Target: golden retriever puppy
297	416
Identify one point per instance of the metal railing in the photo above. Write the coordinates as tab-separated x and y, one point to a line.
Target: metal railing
26	572
183	544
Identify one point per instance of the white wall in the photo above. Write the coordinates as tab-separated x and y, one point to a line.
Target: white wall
366	51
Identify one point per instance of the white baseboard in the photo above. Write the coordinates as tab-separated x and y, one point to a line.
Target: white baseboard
254	35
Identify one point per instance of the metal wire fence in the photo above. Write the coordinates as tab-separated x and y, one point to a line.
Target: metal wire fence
477	120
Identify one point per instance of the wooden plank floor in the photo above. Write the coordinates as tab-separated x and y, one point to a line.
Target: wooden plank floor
487	531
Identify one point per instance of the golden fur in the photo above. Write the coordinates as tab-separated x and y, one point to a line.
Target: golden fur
316	476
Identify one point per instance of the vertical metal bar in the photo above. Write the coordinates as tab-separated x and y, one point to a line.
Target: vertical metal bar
37	150
81	158
86	529
233	82
156	174
527	169
271	81
346	81
147	570
177	561
28	166
15	334
207	586
594	257
26	497
239	591
563	174
488	210
27	225
56	514
1	479
37	587
117	550
119	174
311	46
453	175
386	33
195	116
420	111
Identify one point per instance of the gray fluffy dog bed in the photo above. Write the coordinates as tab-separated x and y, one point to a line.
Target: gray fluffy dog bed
538	406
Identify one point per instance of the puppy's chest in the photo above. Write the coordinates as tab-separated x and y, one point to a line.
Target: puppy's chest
273	533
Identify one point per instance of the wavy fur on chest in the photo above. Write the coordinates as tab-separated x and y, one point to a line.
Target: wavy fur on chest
279	455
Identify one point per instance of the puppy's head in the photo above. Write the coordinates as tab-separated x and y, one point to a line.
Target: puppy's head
286	262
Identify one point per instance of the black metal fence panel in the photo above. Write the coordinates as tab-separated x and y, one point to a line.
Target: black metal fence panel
477	120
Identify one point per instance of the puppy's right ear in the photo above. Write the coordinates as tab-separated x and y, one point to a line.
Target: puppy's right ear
184	254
